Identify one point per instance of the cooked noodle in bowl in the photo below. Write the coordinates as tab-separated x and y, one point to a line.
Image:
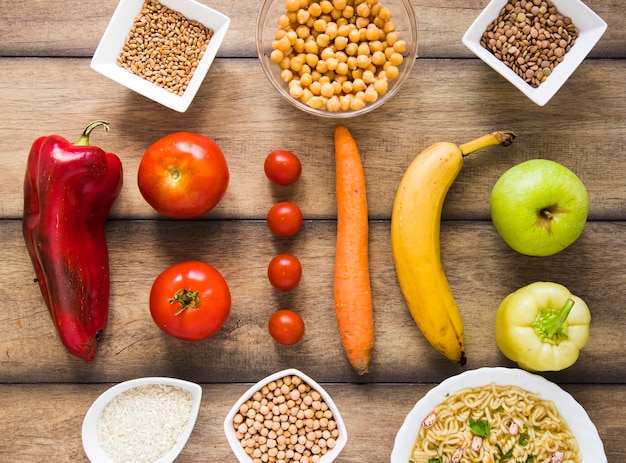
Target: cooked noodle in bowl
495	423
508	414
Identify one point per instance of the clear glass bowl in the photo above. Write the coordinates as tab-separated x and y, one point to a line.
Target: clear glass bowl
403	15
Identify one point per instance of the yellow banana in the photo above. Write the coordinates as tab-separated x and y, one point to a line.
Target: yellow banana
415	240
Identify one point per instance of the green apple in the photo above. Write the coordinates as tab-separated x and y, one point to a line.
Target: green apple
539	207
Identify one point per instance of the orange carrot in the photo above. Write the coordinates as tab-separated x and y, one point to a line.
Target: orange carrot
353	295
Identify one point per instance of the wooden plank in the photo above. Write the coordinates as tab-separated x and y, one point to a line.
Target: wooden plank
444	100
35	416
441	26
481	270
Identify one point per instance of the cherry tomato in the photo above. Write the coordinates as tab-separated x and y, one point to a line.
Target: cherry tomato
286	327
190	301
284	219
284	272
183	175
282	167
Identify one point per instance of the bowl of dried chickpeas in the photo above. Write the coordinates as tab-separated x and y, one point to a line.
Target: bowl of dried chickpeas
286	417
337	58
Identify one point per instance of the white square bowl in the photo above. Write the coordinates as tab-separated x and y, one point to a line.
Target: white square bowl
235	443
590	28
91	443
105	57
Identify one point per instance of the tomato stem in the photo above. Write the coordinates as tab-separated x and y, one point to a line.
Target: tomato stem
188	299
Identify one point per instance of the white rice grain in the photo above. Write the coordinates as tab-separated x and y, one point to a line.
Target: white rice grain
143	423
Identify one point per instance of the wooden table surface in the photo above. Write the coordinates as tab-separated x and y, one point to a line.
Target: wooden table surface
47	87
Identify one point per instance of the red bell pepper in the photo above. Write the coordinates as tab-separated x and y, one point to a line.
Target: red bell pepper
68	192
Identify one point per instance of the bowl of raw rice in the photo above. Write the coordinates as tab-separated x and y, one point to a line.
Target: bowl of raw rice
144	420
161	49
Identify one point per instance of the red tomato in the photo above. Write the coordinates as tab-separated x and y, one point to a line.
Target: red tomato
190	301
284	272
284	219
286	327
282	167
183	175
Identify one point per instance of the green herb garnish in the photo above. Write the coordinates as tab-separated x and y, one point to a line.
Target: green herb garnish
480	427
524	438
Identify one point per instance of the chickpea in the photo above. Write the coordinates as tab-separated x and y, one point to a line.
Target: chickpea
396	59
303	31
283	21
319	25
363	61
292	5
372	32
315	10
363	10
351	49
332	30
392	72
327	6
283	44
389	26
371	95
392	37
399	46
296	91
378	58
315	102
302	16
310	46
341	42
354	36
323	40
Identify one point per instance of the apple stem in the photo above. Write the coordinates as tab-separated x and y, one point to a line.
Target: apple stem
489	139
547	214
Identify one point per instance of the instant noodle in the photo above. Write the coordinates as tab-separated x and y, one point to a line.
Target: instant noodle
493	424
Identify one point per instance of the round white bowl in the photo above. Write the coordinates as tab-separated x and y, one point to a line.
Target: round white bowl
403	15
590	445
91	445
234	442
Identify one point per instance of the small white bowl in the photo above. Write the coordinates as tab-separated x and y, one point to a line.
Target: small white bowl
91	444
234	442
590	28
105	57
589	443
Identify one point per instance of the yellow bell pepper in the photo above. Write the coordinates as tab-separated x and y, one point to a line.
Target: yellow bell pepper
542	327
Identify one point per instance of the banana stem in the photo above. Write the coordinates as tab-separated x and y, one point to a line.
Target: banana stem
490	139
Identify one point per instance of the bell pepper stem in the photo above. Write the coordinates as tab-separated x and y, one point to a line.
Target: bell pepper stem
551	327
84	138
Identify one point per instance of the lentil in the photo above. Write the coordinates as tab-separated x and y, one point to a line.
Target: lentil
164	47
351	48
530	37
286	421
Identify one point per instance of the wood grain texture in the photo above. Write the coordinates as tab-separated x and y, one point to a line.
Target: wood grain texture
443	100
47	87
